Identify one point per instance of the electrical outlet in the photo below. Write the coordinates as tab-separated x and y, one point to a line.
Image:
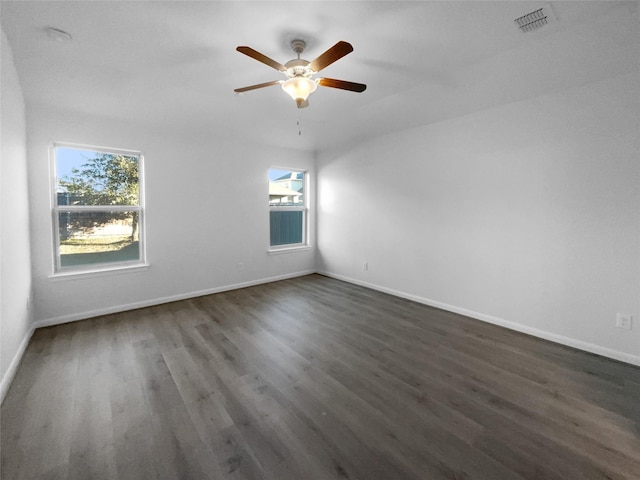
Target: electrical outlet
240	266
624	320
365	265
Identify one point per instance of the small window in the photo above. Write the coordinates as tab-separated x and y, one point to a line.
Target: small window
97	209
287	208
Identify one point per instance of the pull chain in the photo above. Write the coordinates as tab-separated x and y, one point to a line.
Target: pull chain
299	127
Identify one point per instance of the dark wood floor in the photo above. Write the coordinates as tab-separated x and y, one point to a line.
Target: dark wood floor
312	378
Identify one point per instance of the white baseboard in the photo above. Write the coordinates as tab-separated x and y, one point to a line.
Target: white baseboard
159	301
588	347
15	363
570	342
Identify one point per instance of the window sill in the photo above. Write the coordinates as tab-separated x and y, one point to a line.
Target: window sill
278	251
82	274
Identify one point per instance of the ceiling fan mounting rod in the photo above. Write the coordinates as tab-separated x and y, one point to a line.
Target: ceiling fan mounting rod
298	67
298	46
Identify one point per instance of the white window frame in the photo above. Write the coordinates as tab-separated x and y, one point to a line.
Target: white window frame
289	247
96	268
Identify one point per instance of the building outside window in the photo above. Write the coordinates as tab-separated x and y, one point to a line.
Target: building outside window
287	208
98	215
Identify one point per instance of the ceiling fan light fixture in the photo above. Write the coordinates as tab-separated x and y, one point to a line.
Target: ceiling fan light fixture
299	88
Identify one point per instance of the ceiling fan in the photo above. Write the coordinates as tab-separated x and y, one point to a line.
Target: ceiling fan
299	72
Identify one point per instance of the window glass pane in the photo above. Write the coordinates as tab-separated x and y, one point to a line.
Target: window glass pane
286	188
98	237
287	207
286	226
86	177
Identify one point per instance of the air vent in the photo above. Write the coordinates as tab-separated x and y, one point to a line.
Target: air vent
536	19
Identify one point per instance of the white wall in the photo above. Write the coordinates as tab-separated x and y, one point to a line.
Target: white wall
207	210
527	215
15	266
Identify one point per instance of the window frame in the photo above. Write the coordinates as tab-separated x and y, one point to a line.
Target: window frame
304	208
95	268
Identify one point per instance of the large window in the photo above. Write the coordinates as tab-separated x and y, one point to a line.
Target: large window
287	208
97	208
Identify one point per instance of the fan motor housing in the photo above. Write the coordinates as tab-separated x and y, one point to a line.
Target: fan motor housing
298	67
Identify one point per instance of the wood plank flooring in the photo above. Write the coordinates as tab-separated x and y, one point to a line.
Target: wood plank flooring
313	378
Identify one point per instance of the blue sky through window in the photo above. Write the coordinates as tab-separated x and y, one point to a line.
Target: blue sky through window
276	173
70	158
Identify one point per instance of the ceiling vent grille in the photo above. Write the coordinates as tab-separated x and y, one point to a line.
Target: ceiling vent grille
536	19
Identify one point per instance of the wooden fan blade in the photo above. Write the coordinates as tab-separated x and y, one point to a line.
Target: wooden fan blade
259	85
342	84
262	58
336	52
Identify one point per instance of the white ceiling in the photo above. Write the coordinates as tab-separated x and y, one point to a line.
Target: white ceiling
174	65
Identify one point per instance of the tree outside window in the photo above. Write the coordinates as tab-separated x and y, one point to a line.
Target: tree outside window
97	208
